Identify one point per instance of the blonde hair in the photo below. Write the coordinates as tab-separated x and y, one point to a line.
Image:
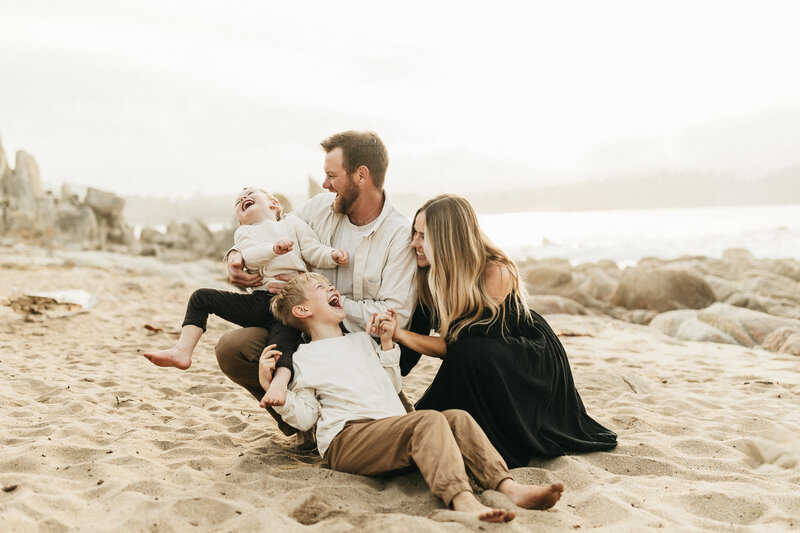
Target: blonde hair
292	295
454	286
279	211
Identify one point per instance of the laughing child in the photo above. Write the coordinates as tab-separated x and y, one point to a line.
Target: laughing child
266	240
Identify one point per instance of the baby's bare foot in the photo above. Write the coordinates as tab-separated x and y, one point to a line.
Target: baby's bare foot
532	496
173	357
276	395
466	502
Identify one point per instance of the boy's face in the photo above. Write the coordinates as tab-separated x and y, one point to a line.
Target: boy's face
254	206
324	302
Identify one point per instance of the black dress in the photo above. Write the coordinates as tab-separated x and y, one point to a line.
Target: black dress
519	388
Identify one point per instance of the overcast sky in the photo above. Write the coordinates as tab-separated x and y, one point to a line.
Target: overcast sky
177	97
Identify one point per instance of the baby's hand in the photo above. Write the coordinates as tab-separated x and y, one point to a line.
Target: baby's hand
283	246
340	257
266	365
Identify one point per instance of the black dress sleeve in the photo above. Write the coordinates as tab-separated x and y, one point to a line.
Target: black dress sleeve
422	323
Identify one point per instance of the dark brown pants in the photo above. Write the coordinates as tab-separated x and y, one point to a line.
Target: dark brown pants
439	443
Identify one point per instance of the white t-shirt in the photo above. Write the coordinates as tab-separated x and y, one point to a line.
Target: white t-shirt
347	236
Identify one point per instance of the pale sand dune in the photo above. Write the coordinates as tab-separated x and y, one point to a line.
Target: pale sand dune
95	438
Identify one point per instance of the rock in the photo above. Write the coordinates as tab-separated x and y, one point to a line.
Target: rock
749	328
599	285
546	276
68	195
671	321
722	287
698	331
5	170
104	203
553	305
781	338
662	289
750	301
76	225
738	255
26	169
791	345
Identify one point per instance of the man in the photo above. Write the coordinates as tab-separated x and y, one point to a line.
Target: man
355	216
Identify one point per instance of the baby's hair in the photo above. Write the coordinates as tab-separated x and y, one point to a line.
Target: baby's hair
293	294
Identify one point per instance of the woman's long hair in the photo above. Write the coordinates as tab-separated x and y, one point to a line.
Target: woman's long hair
453	287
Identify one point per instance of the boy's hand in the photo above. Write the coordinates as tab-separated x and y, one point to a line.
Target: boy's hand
340	257
266	365
283	246
387	327
383	326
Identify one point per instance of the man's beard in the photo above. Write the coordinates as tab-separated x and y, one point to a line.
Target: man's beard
347	197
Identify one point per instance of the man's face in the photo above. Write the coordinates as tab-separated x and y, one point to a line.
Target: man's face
339	182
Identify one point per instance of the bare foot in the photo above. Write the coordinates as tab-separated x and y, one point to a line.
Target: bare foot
173	357
466	502
276	394
531	496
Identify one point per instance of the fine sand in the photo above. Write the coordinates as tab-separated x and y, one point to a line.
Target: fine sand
93	437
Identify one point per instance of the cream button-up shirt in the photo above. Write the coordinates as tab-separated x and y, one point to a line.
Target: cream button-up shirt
383	264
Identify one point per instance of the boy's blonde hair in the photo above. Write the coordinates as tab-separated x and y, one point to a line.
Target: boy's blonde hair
294	294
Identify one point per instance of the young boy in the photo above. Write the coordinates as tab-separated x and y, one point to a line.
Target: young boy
348	386
266	240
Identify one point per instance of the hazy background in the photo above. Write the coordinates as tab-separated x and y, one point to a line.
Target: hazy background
674	103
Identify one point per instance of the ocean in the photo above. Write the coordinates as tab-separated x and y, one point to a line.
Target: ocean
628	235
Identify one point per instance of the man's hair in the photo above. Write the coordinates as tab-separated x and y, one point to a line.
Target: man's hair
293	294
360	148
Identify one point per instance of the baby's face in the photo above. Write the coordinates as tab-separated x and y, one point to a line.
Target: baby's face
254	206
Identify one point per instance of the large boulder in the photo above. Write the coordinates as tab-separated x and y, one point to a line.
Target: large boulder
748	327
19	197
542	277
104	203
662	289
76	225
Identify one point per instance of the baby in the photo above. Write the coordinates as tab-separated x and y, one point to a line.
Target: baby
347	385
266	240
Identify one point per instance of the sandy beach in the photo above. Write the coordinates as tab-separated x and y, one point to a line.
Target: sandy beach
96	438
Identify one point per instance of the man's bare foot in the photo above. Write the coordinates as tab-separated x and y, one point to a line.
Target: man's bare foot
173	357
531	496
276	394
466	502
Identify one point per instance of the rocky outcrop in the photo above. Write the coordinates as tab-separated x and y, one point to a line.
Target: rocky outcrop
662	289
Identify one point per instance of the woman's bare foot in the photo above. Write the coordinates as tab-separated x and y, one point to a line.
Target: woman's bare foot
466	502
531	496
173	357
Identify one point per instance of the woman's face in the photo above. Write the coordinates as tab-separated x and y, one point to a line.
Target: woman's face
418	239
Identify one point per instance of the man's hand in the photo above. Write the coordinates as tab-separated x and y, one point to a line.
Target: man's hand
283	246
280	282
238	275
340	257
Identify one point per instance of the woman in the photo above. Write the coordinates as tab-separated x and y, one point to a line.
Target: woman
501	361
